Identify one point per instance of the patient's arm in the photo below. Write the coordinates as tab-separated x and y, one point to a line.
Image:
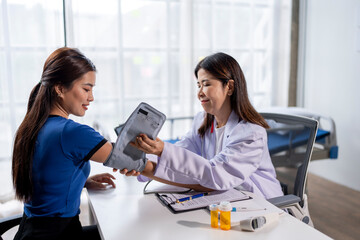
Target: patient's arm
149	172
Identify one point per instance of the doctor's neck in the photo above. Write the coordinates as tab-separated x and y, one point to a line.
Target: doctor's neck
222	117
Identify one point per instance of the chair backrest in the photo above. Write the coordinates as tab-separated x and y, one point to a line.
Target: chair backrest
291	139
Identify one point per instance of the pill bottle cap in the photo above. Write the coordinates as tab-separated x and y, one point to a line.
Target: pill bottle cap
213	207
225	206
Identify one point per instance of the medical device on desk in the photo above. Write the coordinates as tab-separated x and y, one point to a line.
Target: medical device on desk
255	223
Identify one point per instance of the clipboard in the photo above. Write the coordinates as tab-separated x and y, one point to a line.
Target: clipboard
215	197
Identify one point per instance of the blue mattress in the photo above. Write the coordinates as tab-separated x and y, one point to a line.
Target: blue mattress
281	142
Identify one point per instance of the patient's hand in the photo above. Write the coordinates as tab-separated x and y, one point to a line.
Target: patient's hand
100	181
129	173
147	145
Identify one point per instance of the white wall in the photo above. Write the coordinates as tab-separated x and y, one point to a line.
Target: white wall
332	81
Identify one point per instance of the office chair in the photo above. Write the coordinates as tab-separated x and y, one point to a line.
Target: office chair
8	223
291	139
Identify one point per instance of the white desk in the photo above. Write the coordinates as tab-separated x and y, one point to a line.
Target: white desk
125	213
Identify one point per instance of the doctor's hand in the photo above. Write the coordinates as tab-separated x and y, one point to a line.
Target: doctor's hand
147	145
129	173
100	181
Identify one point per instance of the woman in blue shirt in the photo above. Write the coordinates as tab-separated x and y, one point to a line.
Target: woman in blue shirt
50	163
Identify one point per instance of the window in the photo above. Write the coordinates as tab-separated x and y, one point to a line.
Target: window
144	50
30	30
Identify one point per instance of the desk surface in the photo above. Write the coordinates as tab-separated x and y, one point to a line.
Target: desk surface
126	213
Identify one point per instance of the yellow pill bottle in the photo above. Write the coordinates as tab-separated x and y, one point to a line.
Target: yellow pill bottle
214	215
225	215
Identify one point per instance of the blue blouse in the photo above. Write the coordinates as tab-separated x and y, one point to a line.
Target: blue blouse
61	167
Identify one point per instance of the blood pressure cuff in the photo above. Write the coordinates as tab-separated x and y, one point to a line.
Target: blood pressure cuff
145	119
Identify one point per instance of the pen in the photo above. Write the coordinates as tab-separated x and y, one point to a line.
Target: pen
191	197
245	209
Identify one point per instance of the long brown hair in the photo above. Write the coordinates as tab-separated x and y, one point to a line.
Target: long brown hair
62	67
224	67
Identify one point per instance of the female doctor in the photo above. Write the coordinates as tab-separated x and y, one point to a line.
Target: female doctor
227	144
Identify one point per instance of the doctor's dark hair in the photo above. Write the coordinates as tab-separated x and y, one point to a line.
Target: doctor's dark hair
224	67
62	68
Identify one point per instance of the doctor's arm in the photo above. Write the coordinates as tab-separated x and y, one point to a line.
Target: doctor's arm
235	163
150	170
149	146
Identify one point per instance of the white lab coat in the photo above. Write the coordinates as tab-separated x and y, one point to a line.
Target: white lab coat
243	161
